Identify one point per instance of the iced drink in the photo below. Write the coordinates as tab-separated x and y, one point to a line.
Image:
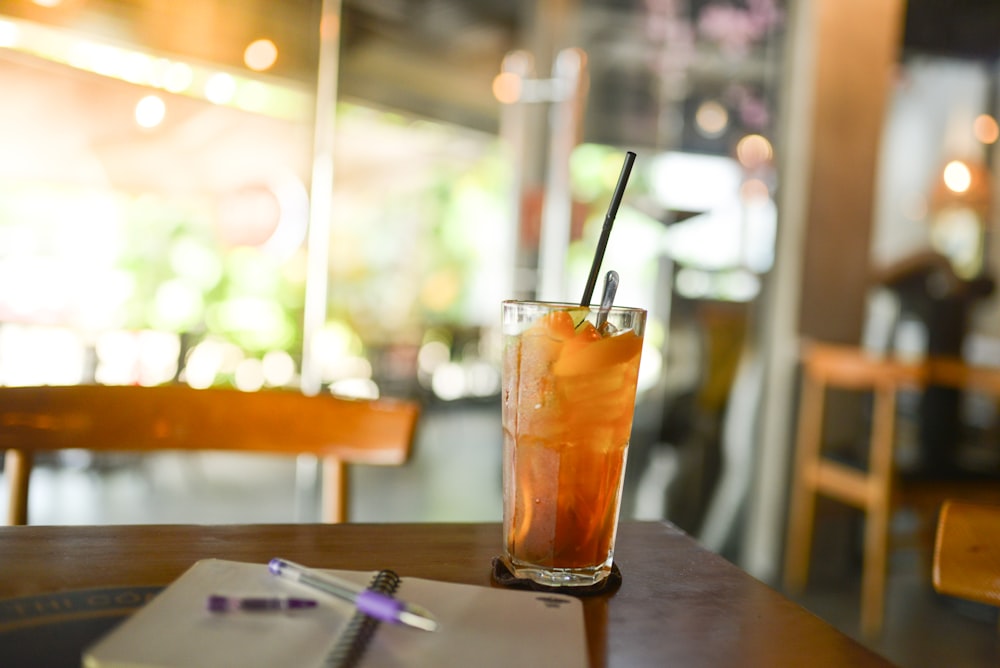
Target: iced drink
569	385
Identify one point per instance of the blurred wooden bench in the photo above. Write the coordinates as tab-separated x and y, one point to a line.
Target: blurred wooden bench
179	418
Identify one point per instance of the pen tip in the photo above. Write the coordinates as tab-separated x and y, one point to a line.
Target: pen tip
418	619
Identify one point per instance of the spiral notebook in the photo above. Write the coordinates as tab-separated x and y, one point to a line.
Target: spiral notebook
480	626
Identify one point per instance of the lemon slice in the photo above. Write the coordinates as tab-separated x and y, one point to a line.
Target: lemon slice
579	316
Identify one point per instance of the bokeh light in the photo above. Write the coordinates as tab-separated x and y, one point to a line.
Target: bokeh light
260	55
985	129
8	34
150	111
177	77
210	359
220	88
507	87
957	176
178	306
41	355
711	119
753	151
432	355
144	357
355	388
278	368
249	375
754	190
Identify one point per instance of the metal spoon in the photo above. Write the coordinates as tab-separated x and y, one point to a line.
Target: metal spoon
610	288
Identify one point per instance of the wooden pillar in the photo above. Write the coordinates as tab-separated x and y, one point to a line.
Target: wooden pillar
857	46
841	57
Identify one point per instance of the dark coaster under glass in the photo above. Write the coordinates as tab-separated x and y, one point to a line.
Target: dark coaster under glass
502	575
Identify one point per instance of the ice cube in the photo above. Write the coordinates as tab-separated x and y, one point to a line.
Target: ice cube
607	329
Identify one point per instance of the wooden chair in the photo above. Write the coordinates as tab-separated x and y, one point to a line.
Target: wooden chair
967	552
179	418
927	495
870	489
877	489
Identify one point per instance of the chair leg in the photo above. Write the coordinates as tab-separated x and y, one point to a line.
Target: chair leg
873	576
802	510
17	467
878	512
800	530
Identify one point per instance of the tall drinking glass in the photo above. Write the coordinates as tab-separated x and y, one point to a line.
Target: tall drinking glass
569	384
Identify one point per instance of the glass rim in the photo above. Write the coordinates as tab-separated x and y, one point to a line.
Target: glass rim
570	305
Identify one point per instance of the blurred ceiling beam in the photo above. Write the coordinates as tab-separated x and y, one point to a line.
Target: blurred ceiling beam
431	58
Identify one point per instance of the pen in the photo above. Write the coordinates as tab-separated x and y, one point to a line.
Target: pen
220	603
373	603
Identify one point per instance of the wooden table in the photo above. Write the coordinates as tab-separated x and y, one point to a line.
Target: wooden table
679	604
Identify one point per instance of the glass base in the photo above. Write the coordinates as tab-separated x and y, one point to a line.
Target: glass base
560	577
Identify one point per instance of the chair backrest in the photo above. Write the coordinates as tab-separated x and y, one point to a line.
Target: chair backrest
833	366
967	552
850	367
176	417
956	373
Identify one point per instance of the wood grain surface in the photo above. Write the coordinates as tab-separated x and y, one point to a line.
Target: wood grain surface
679	604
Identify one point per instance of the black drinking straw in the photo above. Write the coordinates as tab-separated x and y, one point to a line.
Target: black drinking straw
609	220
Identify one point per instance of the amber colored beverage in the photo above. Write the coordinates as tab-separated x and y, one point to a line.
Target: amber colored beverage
569	390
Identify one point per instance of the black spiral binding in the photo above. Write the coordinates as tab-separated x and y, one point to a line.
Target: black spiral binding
360	628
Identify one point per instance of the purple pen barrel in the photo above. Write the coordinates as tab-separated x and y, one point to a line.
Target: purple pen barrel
373	603
379	605
220	603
